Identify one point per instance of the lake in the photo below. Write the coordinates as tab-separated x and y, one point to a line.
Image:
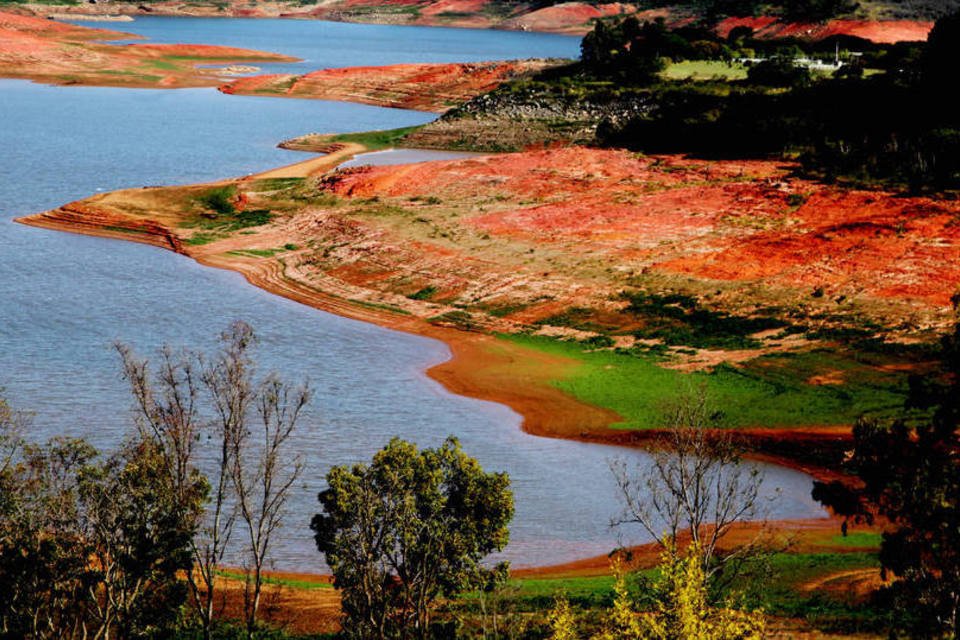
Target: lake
64	298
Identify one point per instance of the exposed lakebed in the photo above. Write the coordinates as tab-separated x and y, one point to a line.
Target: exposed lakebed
65	298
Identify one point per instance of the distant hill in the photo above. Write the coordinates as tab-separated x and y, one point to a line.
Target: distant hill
791	16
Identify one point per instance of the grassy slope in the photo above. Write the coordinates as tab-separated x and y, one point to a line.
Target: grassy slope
769	391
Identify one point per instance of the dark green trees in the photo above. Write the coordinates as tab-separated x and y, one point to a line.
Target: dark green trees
91	547
409	528
911	476
626	51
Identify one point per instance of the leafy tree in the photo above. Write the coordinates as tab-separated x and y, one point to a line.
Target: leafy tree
407	529
140	534
627	50
562	622
910	475
44	558
90	548
683	612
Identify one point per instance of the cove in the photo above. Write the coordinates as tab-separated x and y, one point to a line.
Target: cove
65	298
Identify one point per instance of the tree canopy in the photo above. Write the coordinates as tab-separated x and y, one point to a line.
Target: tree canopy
911	476
406	529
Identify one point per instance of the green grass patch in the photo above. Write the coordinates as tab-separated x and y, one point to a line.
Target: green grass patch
785	595
254	253
262	253
309	585
123	229
219	199
590	589
704	70
424	294
769	391
375	140
274	184
166	65
198	239
858	540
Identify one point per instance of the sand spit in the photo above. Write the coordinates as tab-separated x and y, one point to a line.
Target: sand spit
55	53
422	87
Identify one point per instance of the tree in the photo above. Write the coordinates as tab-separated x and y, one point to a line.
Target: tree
262	472
140	534
697	485
407	529
190	397
167	413
90	548
910	474
629	51
779	71
44	558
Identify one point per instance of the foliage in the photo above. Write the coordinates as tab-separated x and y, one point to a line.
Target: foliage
769	390
779	71
681	609
831	124
911	476
407	529
219	199
626	50
91	547
561	621
376	140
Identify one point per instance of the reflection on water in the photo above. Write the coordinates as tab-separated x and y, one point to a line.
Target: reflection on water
65	298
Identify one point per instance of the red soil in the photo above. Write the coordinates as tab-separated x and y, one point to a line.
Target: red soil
50	51
714	221
426	87
571	17
885	31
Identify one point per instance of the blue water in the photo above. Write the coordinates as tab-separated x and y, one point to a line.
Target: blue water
65	298
323	45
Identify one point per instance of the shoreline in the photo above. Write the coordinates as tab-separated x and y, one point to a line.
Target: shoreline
480	366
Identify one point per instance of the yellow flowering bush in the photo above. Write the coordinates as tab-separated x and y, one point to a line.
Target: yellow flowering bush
682	611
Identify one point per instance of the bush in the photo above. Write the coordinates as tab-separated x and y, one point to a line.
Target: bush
779	71
219	199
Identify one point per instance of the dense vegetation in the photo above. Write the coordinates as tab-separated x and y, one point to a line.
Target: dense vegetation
911	476
786	105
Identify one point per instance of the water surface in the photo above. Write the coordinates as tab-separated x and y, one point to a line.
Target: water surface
65	298
325	45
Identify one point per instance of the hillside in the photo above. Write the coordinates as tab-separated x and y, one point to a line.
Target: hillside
911	19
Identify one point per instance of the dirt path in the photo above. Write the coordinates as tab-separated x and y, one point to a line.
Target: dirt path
336	155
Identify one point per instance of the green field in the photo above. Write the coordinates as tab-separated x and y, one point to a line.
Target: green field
769	391
375	140
704	70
